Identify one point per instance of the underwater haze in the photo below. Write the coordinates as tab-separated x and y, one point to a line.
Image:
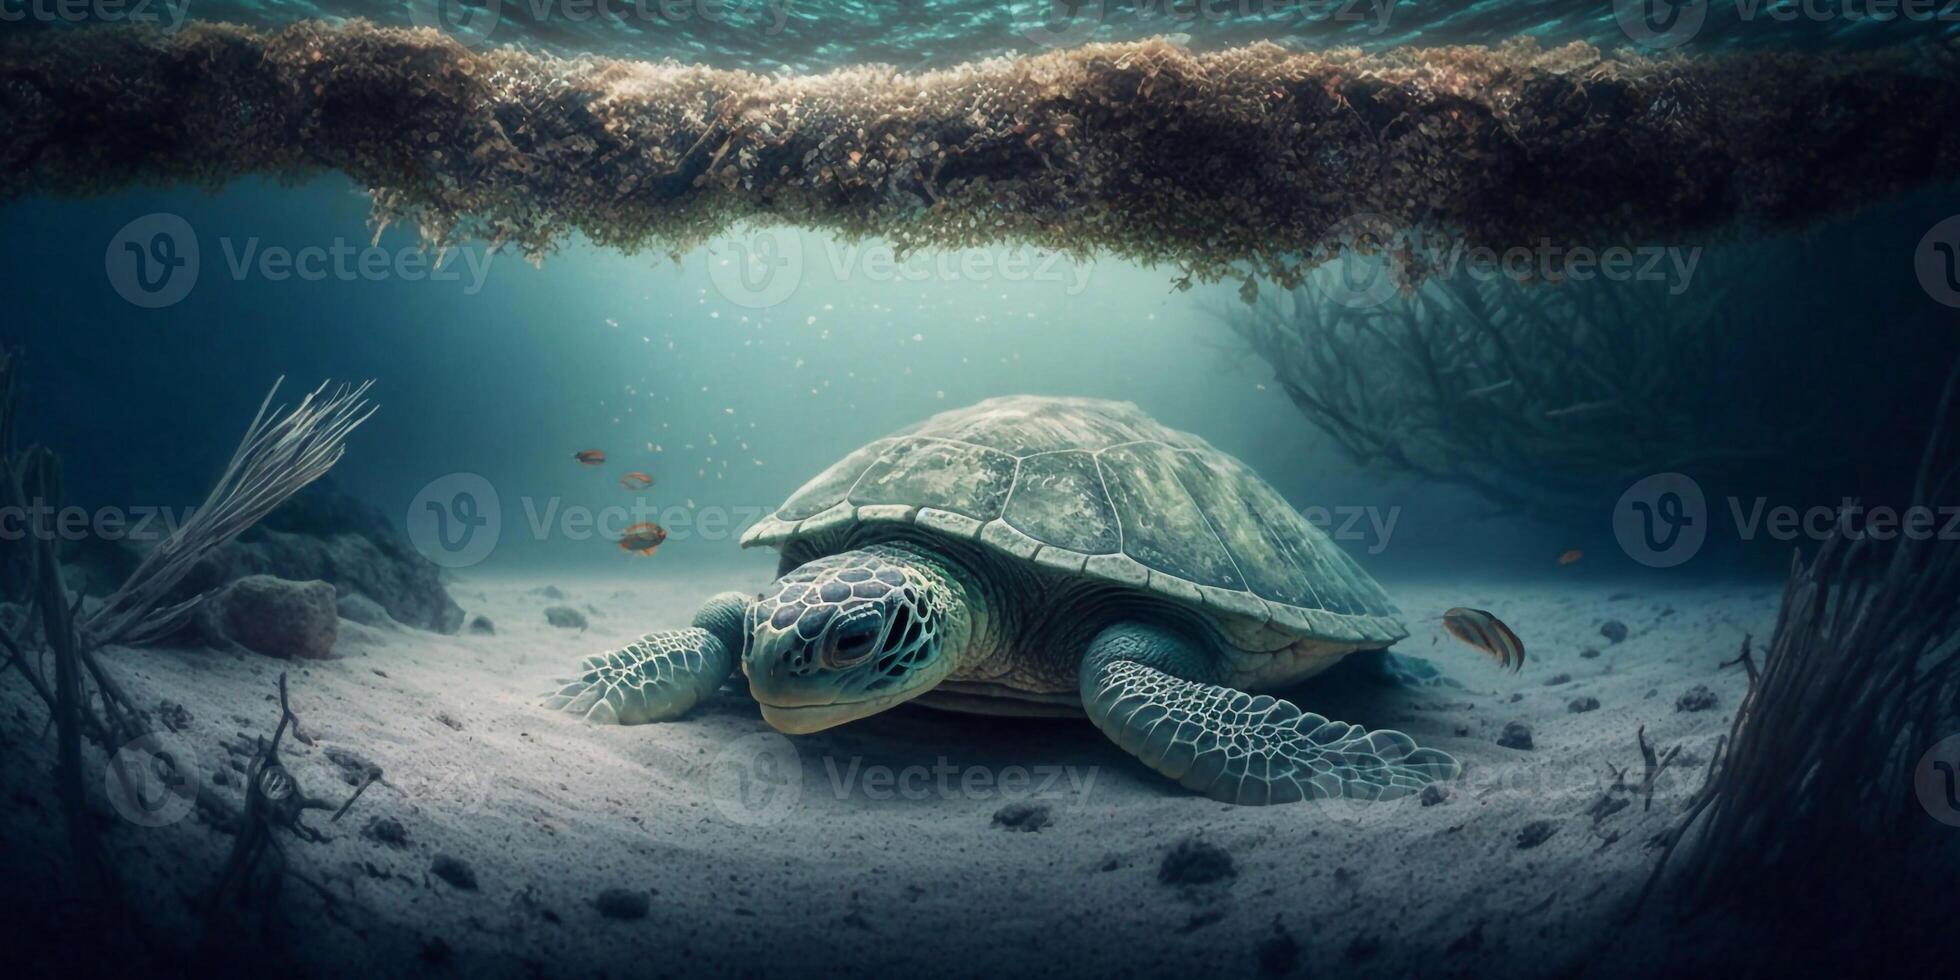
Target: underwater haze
729	397
1389	488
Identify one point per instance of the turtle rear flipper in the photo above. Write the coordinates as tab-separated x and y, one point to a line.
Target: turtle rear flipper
660	677
1236	747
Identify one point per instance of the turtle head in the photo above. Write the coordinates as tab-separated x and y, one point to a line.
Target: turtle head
849	635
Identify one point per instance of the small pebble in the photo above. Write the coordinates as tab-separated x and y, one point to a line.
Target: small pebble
1195	862
1557	679
1433	794
1589	654
387	830
1698	698
565	617
1613	630
174	716
1579	706
1024	817
452	869
1516	735
1535	833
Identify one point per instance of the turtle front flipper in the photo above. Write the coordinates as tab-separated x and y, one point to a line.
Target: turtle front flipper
1233	746
663	675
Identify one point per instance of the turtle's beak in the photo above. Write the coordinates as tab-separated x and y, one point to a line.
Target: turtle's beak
806	719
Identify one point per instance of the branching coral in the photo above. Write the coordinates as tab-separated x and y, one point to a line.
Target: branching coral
278	456
1234	162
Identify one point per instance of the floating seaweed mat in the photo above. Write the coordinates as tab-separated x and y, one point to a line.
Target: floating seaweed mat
1249	160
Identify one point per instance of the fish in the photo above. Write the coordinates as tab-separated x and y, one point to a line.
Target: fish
636	480
590	457
1571	556
643	537
1487	633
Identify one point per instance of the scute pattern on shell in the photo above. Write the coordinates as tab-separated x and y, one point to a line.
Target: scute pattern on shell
1101	489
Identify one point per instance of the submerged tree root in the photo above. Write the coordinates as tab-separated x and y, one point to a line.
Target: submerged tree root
1249	160
1815	811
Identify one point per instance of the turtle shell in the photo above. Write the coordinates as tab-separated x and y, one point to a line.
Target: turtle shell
1098	488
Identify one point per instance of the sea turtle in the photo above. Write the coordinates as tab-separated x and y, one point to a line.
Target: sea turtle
1034	555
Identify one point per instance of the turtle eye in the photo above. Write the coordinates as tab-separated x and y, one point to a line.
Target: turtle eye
853	640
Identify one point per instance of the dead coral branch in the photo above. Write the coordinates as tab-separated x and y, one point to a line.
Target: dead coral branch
279	455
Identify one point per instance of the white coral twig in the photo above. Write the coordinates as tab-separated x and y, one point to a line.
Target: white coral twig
280	454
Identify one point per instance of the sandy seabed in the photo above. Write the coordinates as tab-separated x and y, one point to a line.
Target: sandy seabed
874	849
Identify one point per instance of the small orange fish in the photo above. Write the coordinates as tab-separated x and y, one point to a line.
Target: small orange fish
643	537
1571	556
636	480
590	457
1487	633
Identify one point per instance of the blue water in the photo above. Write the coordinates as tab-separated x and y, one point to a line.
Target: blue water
503	370
507	377
811	35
